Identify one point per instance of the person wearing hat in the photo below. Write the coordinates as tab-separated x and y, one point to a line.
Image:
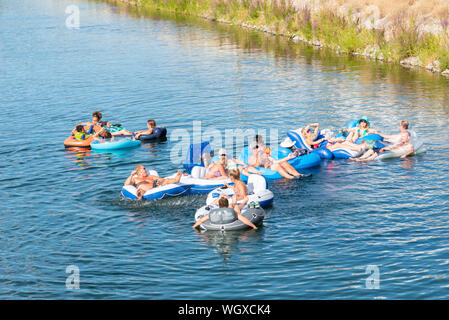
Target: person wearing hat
310	136
362	130
290	144
220	169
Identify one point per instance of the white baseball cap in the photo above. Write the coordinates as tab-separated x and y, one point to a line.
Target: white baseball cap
222	151
287	143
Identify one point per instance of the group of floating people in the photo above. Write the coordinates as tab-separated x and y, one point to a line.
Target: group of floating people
113	136
233	204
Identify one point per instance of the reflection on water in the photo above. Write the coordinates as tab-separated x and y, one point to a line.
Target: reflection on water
226	243
321	232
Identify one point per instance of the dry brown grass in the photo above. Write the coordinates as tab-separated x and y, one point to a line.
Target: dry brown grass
428	8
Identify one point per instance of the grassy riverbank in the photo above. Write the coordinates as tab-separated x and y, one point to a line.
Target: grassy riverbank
411	34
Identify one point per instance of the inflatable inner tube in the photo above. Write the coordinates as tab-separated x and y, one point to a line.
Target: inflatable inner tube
257	192
225	219
115	145
322	151
72	142
299	163
199	185
158	133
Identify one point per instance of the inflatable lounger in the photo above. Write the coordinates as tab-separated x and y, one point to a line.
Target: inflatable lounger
194	155
198	184
225	219
299	163
257	192
418	147
157	193
299	140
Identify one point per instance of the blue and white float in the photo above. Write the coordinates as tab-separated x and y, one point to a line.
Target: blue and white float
306	161
157	193
194	157
257	192
115	144
198	184
299	141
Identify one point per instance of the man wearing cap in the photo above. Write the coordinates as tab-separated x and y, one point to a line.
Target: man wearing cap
310	136
290	144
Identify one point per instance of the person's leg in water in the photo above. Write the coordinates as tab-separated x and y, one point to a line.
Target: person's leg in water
164	181
367	154
289	168
277	167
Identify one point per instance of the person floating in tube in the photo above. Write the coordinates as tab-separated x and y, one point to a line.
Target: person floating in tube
310	136
151	124
224	203
260	158
403	146
144	182
93	126
290	144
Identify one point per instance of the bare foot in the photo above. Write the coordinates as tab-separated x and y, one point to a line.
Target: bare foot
178	176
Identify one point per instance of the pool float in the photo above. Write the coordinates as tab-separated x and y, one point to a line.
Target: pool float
374	140
157	193
198	184
115	144
257	192
72	142
418	147
322	151
306	161
193	157
225	219
158	133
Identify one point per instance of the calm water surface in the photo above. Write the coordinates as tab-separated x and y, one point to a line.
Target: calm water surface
63	207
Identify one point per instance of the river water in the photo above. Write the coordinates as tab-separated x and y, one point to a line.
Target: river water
322	238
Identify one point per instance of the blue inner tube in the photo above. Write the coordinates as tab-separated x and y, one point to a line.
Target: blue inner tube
299	163
115	145
322	151
158	133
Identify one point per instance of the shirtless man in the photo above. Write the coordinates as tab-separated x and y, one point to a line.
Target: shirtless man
144	182
395	138
310	136
403	145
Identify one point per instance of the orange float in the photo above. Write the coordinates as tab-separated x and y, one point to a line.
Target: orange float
72	142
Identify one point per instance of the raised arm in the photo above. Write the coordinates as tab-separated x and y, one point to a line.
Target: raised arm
130	179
